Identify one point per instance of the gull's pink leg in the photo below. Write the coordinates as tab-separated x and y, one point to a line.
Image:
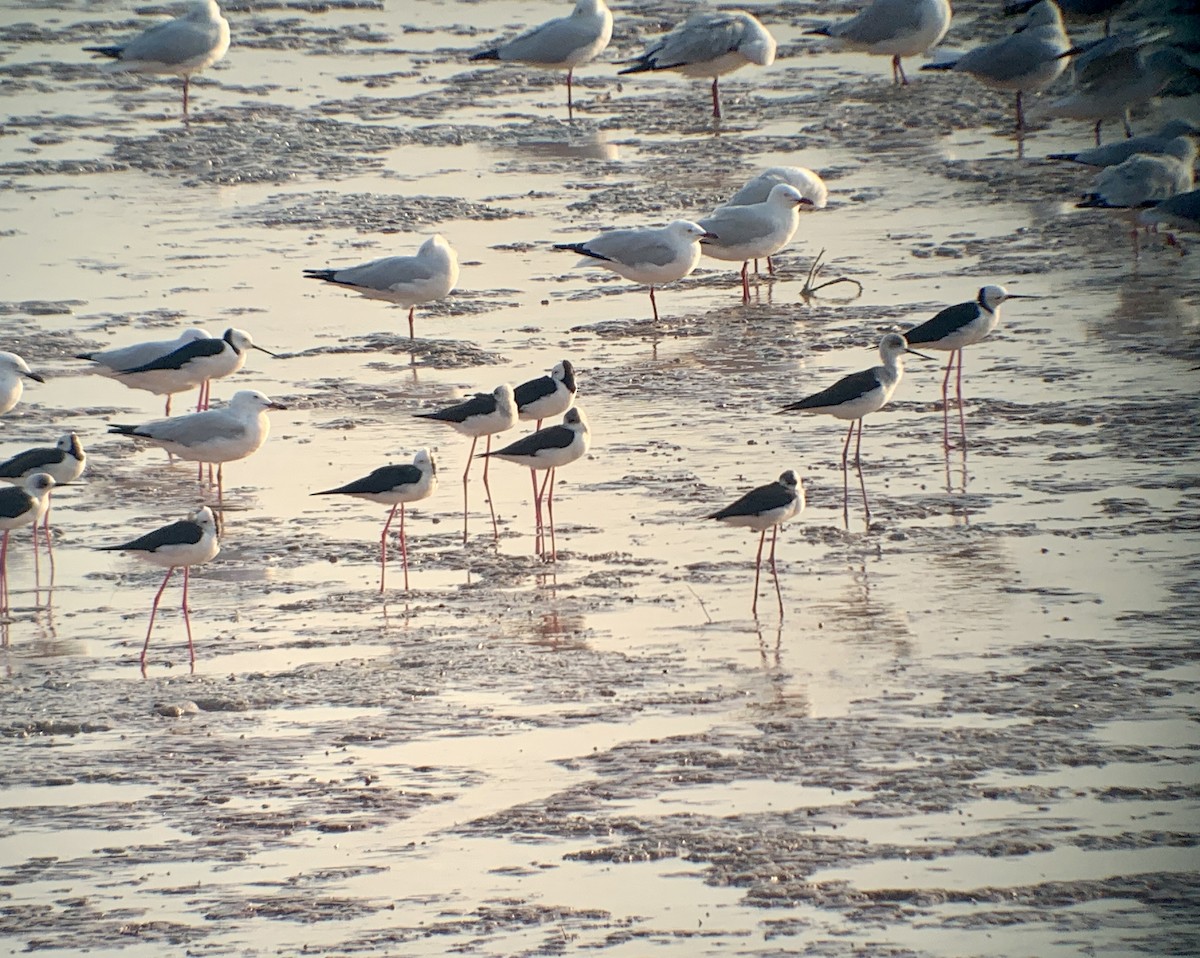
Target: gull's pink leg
716	97
186	83
187	619
466	473
757	568
770	266
383	550
411	335
745	283
654	304
1020	114
570	103
154	612
168	411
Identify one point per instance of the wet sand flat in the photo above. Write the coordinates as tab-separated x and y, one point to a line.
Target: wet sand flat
973	732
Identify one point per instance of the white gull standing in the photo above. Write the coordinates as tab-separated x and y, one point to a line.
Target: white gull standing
651	256
1027	61
180	47
709	45
893	28
561	44
759	229
409	281
218	436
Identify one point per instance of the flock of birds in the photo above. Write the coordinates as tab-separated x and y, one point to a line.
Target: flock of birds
1151	173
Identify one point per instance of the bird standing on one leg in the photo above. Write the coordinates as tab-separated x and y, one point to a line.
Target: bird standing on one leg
561	44
180	47
188	542
393	486
894	28
766	507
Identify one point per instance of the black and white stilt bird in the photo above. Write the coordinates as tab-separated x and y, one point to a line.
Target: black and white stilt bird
548	449
64	461
855	396
393	486
766	507
544	398
110	363
484	414
183	544
953	329
195	363
21	506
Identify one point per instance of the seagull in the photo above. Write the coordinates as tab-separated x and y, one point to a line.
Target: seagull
484	414
195	363
404	280
1181	211
561	44
13	369
709	45
895	28
546	396
180	47
110	363
1027	61
955	328
648	255
64	462
1144	180
21	506
756	190
548	449
766	507
748	232
1115	75
216	436
1113	153
188	542
393	486
857	395
1082	10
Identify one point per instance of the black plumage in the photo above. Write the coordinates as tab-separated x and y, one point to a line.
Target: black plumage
481	404
181	533
14	502
382	480
486	55
774	495
552	437
32	460
949	320
196	349
582	250
846	389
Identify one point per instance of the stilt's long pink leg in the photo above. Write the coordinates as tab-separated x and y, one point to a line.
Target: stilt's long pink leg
383	550
187	618
403	547
466	474
962	419
154	612
550	514
488	491
774	571
757	569
4	573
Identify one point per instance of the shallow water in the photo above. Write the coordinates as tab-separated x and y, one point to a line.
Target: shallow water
973	731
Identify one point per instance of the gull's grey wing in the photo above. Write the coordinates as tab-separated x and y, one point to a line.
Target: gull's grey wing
199	427
635	247
176	41
552	42
735	225
1008	59
386	273
881	21
700	38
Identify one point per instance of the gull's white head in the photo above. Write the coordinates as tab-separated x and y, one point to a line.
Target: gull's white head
757	46
692	232
782	194
251	400
1045	14
589	8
